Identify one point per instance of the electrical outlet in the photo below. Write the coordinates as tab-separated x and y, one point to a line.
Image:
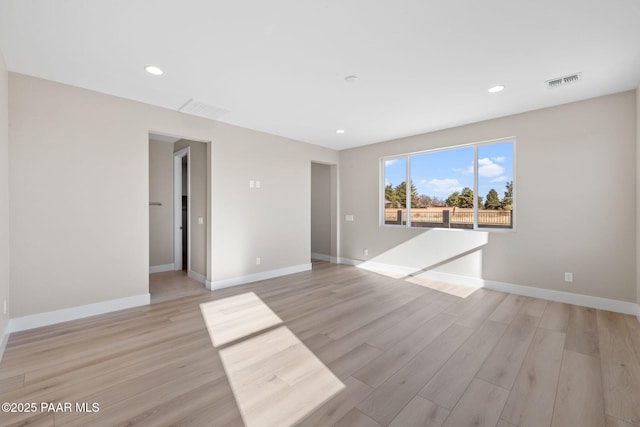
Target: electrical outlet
252	183
258	185
366	251
568	277
258	261
348	217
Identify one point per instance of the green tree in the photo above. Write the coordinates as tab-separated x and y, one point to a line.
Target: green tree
507	201
453	200
391	196
414	196
401	194
493	202
466	198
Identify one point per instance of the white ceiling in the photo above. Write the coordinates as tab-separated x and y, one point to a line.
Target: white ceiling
278	66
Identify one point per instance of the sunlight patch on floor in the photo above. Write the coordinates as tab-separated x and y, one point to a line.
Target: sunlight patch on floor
449	288
233	318
276	380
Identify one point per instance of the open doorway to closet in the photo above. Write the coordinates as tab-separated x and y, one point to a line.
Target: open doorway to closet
178	204
324	200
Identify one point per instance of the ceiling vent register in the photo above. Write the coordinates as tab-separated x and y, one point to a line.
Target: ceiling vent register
563	81
201	109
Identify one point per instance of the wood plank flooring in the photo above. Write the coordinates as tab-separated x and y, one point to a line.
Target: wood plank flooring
406	353
172	284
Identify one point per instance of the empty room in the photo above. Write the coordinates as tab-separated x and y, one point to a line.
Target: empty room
320	213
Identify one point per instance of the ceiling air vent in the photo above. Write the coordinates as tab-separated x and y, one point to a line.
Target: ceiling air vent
563	81
201	109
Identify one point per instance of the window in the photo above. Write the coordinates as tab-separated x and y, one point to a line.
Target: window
495	185
461	187
395	200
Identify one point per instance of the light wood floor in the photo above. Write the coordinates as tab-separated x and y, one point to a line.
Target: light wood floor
407	355
173	284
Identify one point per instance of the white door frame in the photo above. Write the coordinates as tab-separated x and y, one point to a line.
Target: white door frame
177	207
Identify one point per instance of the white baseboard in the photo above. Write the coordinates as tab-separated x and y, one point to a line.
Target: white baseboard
321	257
4	339
49	318
197	276
241	280
529	291
566	297
161	268
349	261
394	270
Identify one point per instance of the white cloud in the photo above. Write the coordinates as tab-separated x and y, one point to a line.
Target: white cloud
391	162
422	186
467	171
488	169
444	186
499	159
500	179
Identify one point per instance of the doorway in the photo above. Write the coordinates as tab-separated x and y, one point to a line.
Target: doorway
179	216
181	204
324	208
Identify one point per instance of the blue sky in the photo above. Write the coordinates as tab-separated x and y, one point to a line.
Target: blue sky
440	173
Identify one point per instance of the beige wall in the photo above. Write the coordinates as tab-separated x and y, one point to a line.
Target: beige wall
321	209
161	191
80	192
575	202
198	203
272	222
4	196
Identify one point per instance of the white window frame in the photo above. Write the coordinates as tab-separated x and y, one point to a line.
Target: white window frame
475	145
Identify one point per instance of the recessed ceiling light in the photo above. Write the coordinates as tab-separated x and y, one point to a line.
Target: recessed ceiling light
340	131
152	69
351	79
498	88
